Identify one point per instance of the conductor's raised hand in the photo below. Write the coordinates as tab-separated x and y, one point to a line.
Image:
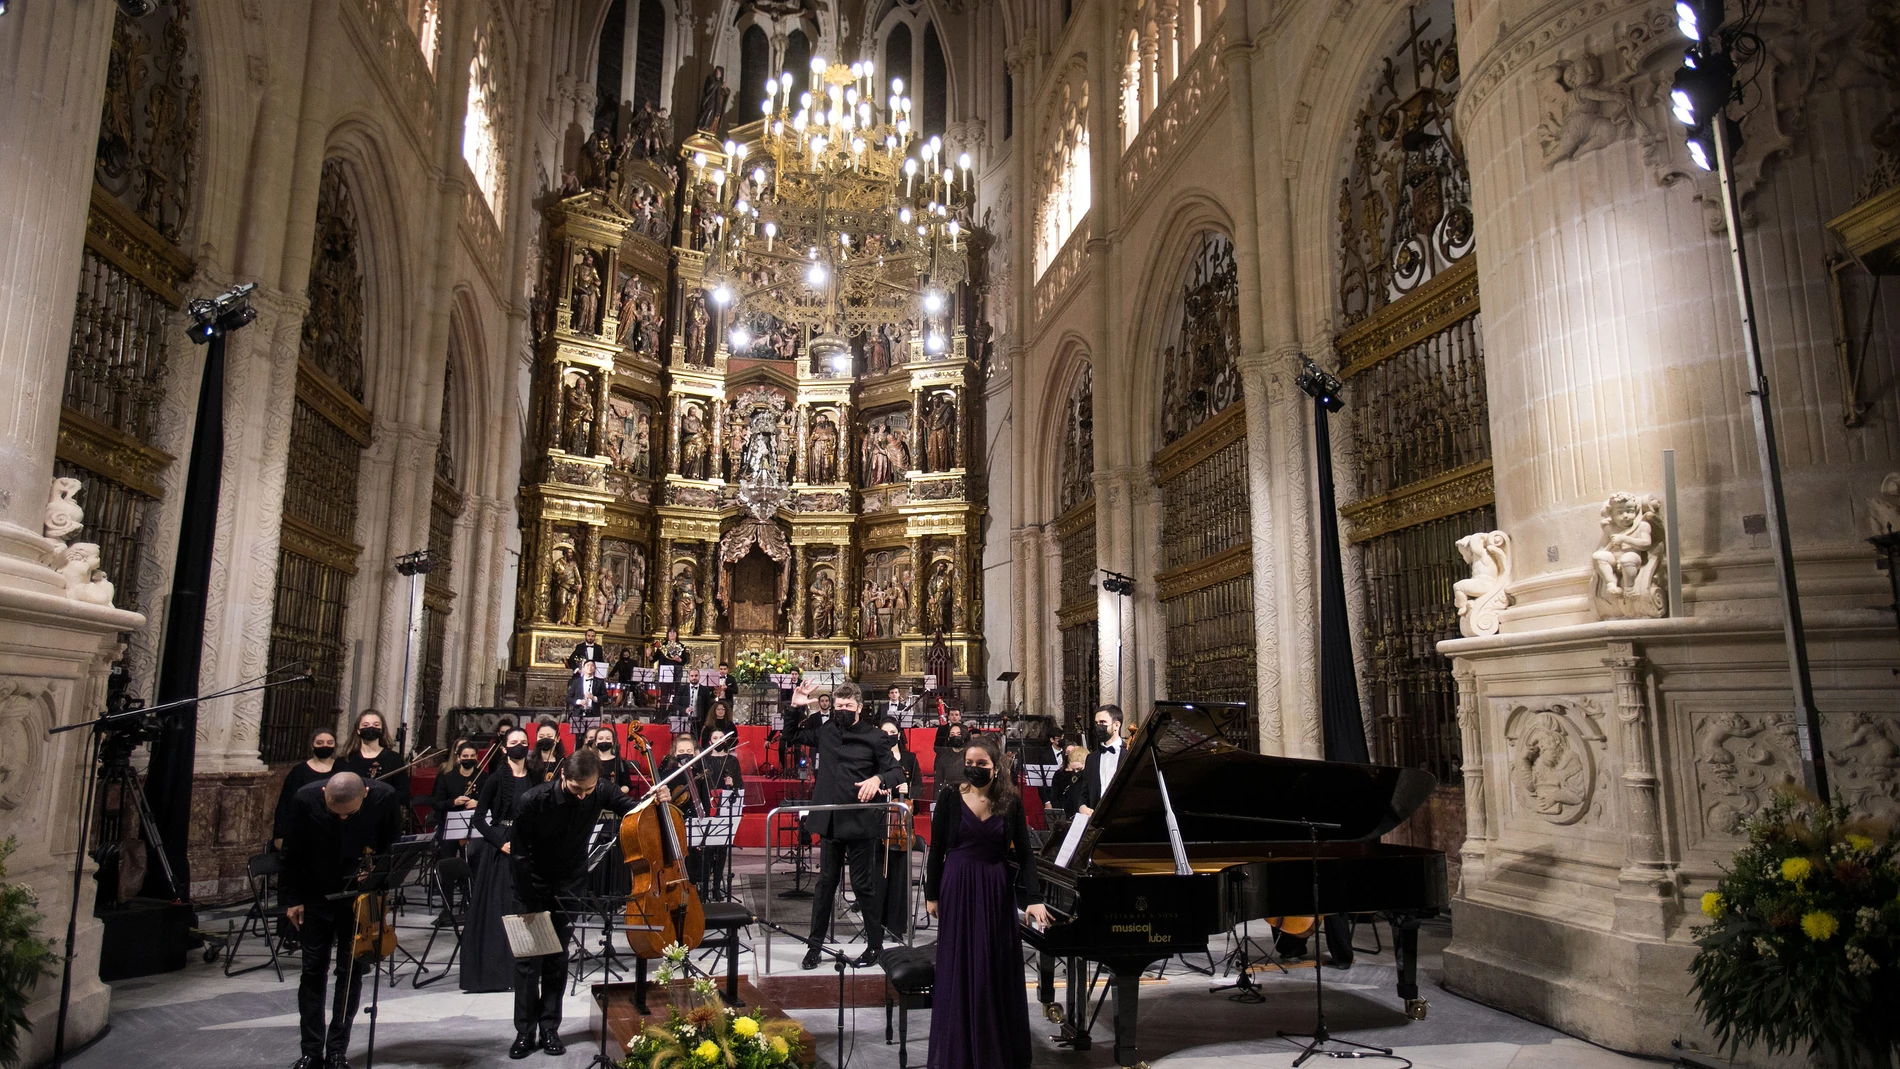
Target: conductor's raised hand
868	788
801	694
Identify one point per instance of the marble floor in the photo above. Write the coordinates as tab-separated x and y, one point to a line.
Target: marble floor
199	1018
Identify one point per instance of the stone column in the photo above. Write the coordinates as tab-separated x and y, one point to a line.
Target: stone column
1645	895
1168	16
1150	71
1471	736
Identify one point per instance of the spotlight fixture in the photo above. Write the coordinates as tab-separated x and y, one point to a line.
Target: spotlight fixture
1704	86
220	315
1321	385
1117	583
933	302
421	562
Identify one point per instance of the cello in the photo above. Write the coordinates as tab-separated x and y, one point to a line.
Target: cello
663	907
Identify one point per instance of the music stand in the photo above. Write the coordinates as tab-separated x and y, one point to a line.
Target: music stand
388	871
718	830
607	907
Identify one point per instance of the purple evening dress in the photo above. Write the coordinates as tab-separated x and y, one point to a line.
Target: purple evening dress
979	1016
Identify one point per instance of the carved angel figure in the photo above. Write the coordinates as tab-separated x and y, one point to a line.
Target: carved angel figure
85	581
1482	597
63	514
1883	509
1594	114
1629	558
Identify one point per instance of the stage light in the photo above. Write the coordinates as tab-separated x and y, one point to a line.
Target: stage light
1699	98
741	339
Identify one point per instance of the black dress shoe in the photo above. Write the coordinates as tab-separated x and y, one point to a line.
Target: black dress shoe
337	1061
812	957
308	1061
551	1042
524	1045
868	958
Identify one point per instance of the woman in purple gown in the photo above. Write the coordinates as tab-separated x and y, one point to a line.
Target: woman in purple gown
981	869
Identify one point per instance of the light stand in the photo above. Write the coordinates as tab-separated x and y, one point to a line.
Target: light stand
1342	722
415	566
1123	587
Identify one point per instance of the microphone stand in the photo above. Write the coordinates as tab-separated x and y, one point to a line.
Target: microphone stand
1320	1035
839	961
102	725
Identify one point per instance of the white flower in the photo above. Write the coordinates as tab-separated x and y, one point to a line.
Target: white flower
1859	962
1869	918
1764	947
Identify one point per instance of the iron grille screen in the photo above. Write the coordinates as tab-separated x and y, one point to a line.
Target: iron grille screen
307	626
115	372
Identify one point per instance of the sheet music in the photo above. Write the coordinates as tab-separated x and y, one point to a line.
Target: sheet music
458	824
531	935
1072	840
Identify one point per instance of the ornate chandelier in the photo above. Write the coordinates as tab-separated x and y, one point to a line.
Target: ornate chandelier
837	220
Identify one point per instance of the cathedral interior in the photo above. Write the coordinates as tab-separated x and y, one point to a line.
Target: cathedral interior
1373	366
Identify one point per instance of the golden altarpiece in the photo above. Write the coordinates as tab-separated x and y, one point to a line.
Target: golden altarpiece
765	498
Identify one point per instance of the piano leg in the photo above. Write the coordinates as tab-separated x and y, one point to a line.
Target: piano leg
1046	983
1405	949
1075	1028
1127	985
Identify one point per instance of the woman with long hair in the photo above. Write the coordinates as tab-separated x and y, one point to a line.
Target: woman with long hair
369	755
548	751
318	766
487	962
982	867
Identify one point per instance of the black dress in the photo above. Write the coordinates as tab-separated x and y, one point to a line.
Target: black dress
1066	791
383	766
487	963
299	775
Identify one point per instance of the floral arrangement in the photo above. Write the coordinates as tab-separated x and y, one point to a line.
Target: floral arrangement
1804	940
753	666
24	956
706	1034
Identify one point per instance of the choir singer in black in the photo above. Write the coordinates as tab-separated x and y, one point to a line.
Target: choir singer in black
549	847
329	828
854	764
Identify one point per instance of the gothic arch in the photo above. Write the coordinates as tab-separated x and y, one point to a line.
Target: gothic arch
1073	359
1196	211
386	256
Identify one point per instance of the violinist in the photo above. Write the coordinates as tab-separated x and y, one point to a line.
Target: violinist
330	827
314	769
613	770
455	781
689	790
897	848
720	719
552	830
548	751
725	793
369	755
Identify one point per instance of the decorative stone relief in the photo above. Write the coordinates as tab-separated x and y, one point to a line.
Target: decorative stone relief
1554	766
25	714
64	517
1630	573
78	564
1482	597
1740	758
1585	109
1883	509
1861	768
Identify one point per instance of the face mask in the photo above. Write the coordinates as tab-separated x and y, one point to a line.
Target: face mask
1101	734
544	744
369	734
604	747
466	765
518	752
324	753
977	776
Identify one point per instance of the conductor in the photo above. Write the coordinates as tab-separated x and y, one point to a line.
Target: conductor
330	826
854	764
549	846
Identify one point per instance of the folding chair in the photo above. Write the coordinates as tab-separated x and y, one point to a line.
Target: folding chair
452	877
262	871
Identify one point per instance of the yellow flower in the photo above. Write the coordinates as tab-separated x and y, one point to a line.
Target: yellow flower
745	1026
1819	925
780	1047
1860	843
1796	869
1712	904
706	1051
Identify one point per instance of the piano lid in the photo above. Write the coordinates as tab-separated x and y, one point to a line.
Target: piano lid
1211	781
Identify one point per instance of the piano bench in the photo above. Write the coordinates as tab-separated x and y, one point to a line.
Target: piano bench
910	974
726	918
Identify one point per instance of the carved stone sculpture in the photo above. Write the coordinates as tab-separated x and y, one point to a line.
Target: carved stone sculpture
565	582
940	445
64	517
824	608
586	306
692	444
685	602
78	564
1482	597
1628	563
577	411
1883	509
1590	113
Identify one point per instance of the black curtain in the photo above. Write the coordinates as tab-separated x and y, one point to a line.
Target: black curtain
1342	726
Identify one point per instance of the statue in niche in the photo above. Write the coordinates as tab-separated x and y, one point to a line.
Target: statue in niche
867	611
586	304
577	417
599	152
629	312
761	444
940	446
942	593
692	444
879	360
1629	558
685	602
785	444
713	95
64	516
696	329
1482	597
824	450
565	586
732	444
824	606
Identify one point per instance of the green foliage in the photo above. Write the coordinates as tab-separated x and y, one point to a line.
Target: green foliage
753	666
708	1035
1805	937
24	957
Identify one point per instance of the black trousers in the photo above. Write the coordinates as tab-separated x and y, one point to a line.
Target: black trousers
896	892
328	931
866	858
541	981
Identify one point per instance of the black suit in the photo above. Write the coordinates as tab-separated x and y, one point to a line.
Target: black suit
585	696
550	836
1092	773
586	651
846	756
321	854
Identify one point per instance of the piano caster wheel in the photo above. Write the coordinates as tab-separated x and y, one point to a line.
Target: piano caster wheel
1415	1008
1052	1012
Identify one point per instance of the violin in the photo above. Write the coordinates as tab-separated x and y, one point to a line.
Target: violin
375	923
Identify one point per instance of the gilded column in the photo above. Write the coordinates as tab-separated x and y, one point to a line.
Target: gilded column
919	566
798	567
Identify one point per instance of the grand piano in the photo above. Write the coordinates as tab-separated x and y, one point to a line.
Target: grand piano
1196	835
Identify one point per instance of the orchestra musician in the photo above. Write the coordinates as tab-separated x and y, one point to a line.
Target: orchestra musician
854	764
674	654
588	650
719	719
369	756
613	770
950	733
314	769
548	751
552	830
1099	772
585	694
623	675
330	827
897	848
487	964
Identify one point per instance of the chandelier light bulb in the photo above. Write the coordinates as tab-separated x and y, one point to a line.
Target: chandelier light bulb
771	230
934	343
722	295
897	87
963	161
910	167
719	176
903	215
743	207
933	302
816	275
730	148
699	159
818	64
743	150
765	106
758	176
804	101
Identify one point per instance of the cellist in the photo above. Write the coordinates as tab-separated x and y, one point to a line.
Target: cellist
552	828
329	828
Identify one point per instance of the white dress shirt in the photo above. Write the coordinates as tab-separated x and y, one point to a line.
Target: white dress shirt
1111	758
